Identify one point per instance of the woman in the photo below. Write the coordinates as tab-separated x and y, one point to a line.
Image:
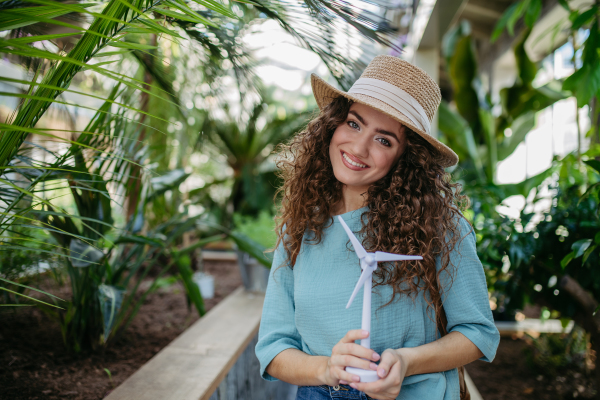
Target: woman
370	157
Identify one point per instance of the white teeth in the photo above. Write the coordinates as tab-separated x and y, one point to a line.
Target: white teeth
352	162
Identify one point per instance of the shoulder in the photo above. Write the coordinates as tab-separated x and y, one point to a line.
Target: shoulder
461	227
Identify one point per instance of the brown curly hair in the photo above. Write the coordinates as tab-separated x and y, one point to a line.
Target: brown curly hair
414	209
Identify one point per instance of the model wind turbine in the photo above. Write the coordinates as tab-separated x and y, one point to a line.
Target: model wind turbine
368	264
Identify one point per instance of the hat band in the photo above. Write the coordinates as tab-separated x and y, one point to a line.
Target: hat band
395	97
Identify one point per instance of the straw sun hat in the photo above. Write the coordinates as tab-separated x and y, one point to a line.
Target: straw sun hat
396	88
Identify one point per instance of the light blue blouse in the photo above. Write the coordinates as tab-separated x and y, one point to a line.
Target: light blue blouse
305	307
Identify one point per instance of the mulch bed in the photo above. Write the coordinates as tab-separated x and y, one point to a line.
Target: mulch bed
34	363
509	377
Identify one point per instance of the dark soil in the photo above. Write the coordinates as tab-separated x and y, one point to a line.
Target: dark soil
34	363
509	377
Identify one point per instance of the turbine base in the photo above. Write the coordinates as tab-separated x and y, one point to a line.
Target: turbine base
365	375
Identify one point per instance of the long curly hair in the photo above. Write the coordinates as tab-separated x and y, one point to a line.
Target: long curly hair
414	209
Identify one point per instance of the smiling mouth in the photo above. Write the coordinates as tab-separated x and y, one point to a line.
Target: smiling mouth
352	162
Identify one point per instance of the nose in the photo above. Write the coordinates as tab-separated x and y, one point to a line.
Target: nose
360	145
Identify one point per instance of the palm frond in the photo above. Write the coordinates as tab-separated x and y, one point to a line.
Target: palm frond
318	25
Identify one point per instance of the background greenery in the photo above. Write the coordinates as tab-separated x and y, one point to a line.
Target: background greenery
167	162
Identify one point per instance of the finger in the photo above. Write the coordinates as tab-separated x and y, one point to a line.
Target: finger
382	385
370	388
343	375
346	360
358	351
343	382
353	335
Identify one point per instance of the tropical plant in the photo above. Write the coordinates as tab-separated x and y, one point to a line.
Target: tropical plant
552	354
480	139
584	83
549	259
261	228
74	190
247	147
105	265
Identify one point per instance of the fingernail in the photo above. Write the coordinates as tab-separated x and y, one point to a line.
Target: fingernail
353	385
343	382
373	366
356	379
375	356
381	372
365	333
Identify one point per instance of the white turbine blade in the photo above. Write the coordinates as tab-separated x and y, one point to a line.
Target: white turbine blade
366	274
381	256
360	251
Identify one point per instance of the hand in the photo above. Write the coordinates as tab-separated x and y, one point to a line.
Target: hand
392	370
346	353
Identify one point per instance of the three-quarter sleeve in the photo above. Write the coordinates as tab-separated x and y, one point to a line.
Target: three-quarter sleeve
277	326
466	301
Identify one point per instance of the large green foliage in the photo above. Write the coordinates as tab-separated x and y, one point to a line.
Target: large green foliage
247	147
478	137
524	260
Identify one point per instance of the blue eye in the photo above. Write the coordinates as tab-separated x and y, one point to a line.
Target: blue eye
384	142
355	126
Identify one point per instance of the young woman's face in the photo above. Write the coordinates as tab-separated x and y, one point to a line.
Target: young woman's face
365	147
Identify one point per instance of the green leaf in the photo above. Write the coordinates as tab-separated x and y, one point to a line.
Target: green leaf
30	288
587	253
192	290
138	239
39	38
132	46
110	299
181	16
580	246
597	238
83	255
463	72
564	5
518	12
213	5
584	18
460	136
594	164
520	128
503	21
533	12
253	248
589	191
24	16
584	83
193	15
168	181
28	297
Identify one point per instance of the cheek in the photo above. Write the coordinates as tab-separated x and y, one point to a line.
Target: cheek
339	137
385	160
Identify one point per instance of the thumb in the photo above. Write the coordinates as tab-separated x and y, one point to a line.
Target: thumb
387	360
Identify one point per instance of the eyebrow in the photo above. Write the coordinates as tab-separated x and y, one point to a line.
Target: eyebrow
378	130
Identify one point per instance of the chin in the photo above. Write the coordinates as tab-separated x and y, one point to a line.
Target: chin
351	181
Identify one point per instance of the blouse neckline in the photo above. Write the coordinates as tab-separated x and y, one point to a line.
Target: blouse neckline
354	214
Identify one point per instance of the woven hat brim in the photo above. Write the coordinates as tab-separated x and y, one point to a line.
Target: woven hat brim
325	93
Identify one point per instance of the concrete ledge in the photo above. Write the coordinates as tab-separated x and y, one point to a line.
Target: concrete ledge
532	326
193	365
475	395
213	255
